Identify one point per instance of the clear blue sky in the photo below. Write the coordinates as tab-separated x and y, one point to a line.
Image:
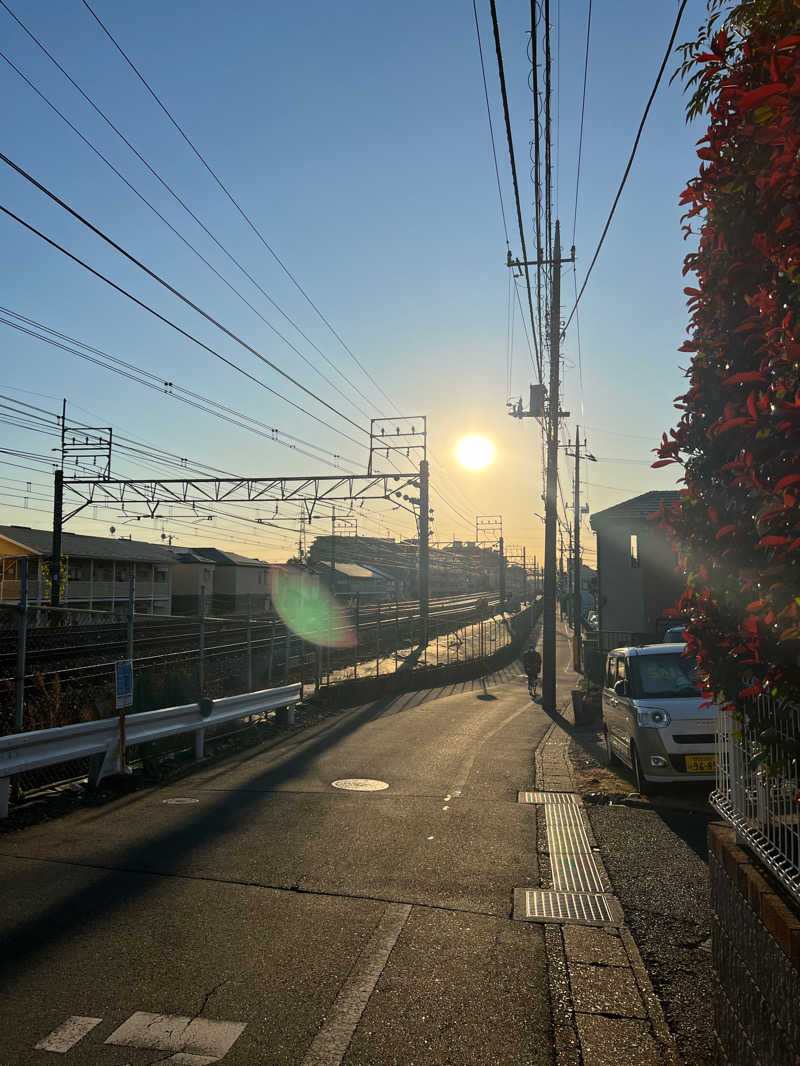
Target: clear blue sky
356	137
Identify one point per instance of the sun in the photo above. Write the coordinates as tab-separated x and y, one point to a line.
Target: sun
475	452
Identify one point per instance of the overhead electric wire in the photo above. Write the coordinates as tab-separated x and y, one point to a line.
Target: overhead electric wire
140	376
537	162
169	322
233	201
491	126
664	62
171	288
183	239
504	94
583	112
172	193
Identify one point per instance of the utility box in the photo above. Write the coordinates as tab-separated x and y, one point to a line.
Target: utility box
538	395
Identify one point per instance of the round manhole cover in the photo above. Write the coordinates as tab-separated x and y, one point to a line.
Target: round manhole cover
360	784
180	799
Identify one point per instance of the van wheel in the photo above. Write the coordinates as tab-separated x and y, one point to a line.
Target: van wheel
643	786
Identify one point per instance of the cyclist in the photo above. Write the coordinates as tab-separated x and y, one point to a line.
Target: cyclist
532	661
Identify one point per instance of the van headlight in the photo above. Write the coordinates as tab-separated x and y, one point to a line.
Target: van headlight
652	719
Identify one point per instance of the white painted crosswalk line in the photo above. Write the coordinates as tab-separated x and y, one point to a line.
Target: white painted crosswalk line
195	1041
67	1035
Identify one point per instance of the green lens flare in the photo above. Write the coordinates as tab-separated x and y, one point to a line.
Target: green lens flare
310	611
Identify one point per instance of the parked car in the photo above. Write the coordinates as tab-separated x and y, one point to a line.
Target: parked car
654	721
674	635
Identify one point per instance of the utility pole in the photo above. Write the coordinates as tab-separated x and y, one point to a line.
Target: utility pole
524	577
577	607
58	522
550	508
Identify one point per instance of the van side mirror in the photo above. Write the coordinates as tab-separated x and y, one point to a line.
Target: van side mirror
621	687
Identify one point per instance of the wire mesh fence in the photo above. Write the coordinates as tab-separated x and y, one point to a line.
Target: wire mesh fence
758	784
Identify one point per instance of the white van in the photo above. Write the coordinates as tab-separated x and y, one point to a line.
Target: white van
653	719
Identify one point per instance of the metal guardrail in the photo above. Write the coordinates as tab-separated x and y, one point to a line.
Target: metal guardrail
762	806
23	752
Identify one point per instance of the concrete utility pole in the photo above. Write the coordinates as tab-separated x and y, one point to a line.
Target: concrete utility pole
577	606
550	510
502	575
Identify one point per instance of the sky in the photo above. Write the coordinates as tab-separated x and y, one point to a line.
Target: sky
356	140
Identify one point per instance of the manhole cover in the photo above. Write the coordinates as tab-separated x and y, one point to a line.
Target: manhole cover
180	800
360	784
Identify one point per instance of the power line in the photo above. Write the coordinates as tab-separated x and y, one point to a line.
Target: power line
630	161
171	288
489	116
167	321
174	194
512	158
188	243
233	201
583	111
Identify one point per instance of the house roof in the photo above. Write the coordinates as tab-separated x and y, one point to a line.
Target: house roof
634	510
186	555
40	542
350	570
221	558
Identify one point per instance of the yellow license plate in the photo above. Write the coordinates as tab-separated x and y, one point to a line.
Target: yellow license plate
701	764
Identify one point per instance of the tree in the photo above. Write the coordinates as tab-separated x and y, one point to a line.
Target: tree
737	524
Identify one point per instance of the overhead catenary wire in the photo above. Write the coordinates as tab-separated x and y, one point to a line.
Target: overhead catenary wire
170	190
169	322
171	288
627	171
182	238
235	202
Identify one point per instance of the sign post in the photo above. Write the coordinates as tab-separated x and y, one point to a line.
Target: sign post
123	678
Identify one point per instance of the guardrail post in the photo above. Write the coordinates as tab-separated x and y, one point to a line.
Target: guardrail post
378	641
250	643
22	636
358	635
5	789
202	664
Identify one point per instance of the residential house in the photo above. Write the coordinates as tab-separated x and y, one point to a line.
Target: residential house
238	584
637	579
96	571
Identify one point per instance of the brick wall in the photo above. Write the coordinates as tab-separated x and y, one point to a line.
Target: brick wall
756	954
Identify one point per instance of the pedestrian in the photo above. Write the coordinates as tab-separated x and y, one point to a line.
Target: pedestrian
532	661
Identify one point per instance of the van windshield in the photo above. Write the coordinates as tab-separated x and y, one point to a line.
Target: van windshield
667	676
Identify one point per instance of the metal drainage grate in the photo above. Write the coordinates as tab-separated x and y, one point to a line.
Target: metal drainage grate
569	799
540	906
575	873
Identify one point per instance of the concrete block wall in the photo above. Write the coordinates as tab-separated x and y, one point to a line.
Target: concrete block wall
756	954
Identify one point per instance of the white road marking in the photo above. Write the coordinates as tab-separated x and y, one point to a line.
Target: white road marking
67	1035
196	1041
445	808
331	1042
430	838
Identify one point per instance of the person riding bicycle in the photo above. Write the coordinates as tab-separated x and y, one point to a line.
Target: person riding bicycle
532	661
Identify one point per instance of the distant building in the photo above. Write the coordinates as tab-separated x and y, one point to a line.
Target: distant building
351	580
96	571
231	583
636	569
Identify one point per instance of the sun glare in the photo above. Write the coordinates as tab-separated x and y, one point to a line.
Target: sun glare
475	452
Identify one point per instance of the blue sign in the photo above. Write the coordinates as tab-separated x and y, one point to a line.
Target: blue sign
123	672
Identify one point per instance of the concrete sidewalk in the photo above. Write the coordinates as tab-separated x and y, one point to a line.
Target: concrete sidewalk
604	1010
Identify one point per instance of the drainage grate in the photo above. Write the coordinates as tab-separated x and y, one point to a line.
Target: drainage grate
575	873
566	831
594	907
569	799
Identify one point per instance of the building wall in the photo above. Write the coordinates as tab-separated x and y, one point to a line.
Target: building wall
620	583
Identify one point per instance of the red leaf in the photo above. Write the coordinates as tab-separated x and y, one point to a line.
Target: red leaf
744	377
785	482
764	92
662	462
724	531
772	541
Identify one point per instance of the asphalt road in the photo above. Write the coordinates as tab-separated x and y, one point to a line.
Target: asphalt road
253	913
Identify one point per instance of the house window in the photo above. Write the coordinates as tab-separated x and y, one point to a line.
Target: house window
160	575
634	550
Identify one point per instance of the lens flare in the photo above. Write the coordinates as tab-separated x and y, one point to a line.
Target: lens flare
309	610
